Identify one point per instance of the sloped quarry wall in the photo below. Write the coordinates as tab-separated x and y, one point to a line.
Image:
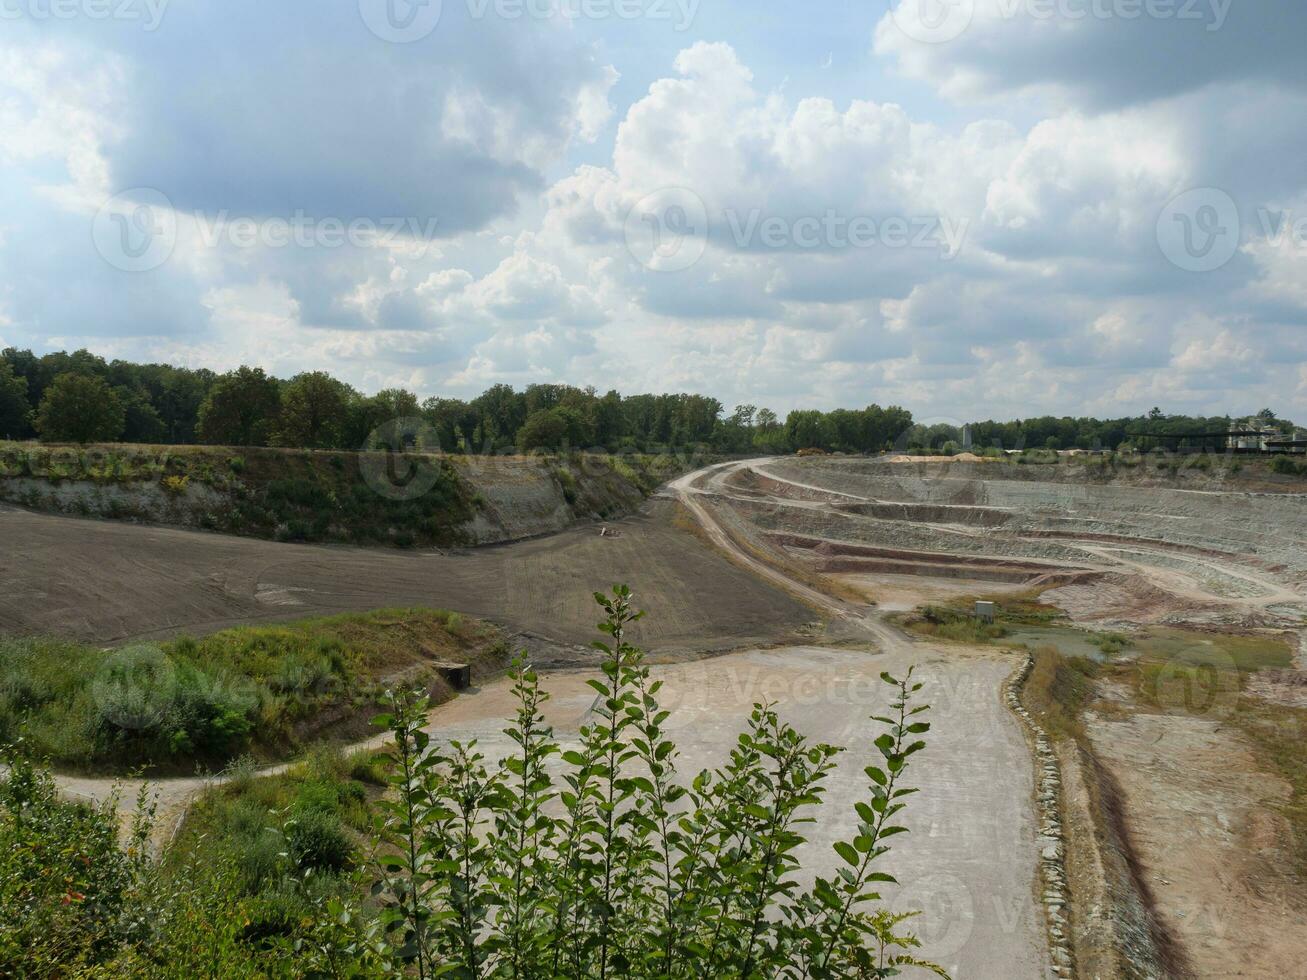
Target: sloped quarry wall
519	498
324	496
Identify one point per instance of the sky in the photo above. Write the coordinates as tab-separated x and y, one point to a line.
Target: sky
972	208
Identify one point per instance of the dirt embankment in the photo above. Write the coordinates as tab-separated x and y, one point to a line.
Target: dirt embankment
404	500
1210	850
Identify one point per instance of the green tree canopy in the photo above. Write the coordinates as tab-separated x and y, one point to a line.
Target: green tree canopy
240	409
545	429
14	407
80	408
368	415
315	411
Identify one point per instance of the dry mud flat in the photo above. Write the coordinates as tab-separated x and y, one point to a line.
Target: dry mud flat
107	582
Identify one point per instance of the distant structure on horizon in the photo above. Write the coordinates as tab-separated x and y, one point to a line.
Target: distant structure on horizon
1255	436
1251	435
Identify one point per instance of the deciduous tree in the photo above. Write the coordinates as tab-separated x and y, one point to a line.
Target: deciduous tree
80	408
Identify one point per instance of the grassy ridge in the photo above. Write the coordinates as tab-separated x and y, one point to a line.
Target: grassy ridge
265	689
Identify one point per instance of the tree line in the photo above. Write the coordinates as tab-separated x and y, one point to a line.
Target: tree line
80	397
1142	432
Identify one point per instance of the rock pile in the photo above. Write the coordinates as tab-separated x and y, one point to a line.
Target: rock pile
1052	846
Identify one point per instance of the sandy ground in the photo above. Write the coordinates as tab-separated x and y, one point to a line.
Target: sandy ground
1213	850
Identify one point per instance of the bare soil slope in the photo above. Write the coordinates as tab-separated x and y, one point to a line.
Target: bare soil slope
108	582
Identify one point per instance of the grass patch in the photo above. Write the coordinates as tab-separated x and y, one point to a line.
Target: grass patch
313	819
956	621
266	690
1058	689
1196	648
947	623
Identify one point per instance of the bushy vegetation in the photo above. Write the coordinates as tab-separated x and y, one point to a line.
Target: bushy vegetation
276	832
1058	689
598	861
1286	466
956	620
237	895
67	889
955	624
262	689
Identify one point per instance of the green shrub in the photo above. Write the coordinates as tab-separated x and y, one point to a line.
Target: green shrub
617	867
65	885
316	840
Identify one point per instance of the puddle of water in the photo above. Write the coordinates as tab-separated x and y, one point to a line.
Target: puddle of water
1068	642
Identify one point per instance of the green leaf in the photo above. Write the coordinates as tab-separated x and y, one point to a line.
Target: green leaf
846	851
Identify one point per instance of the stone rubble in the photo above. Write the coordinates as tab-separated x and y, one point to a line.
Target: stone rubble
1052	846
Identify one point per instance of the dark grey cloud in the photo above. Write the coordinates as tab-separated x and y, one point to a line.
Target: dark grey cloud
1110	53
